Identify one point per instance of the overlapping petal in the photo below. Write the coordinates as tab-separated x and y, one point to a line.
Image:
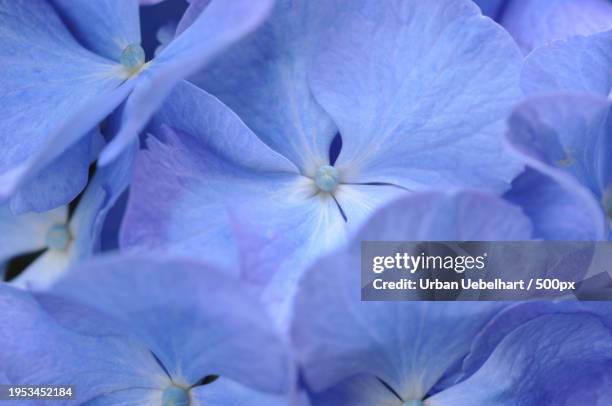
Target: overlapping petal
218	26
579	64
204	324
44	351
534	23
47	80
105	27
264	79
572	352
419	92
567	134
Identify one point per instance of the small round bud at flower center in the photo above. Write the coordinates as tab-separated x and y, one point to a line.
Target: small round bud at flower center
132	57
327	178
58	237
413	403
175	396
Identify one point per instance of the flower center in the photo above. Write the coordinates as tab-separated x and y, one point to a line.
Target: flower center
413	403
133	58
58	237
326	178
175	396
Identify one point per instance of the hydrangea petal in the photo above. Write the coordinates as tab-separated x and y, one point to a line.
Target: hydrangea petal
518	314
578	64
105	27
534	23
437	216
228	393
179	325
362	390
62	180
573	350
217	27
566	131
558	207
264	79
43	351
106	187
191	14
398	81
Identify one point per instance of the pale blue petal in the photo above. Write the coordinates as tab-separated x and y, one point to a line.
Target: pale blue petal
517	315
534	23
557	359
579	64
359	202
431	216
559	208
221	24
420	92
568	132
206	324
193	11
224	392
36	349
59	182
80	318
264	79
105	27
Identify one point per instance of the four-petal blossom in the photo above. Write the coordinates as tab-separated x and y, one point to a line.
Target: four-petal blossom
68	64
394	81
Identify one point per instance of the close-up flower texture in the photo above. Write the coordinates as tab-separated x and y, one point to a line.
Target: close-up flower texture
185	187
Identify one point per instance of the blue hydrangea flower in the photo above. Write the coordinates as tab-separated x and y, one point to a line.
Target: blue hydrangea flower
534	23
146	332
396	83
65	240
68	64
435	354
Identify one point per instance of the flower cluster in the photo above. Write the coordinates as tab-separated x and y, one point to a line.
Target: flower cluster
185	185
